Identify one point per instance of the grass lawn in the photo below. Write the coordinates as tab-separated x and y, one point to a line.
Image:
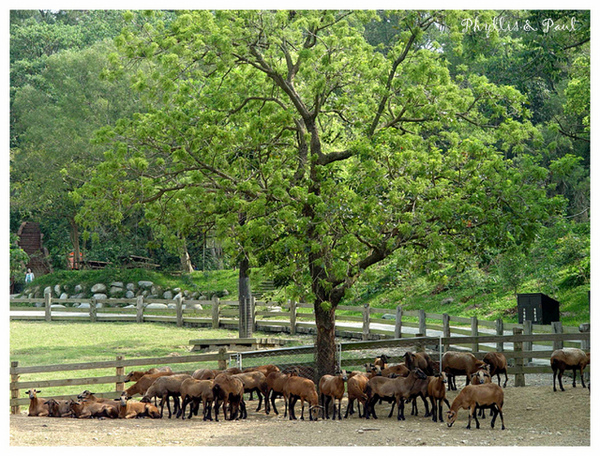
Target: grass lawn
35	343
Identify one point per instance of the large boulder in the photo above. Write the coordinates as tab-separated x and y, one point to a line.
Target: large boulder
145	284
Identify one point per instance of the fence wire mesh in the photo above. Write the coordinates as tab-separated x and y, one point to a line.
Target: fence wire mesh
350	356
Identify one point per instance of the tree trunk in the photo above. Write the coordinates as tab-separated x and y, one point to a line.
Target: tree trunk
325	347
75	241
246	310
186	262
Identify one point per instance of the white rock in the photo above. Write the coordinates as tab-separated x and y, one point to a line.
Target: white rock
64	296
84	305
156	305
100	296
129	294
131	286
194	306
145	283
168	295
78	289
57	290
115	290
99	288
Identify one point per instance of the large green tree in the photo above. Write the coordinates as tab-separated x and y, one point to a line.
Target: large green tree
319	154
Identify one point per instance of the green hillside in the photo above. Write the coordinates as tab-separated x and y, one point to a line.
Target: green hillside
464	297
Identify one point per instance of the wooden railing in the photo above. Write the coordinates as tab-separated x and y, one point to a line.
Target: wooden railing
517	357
292	317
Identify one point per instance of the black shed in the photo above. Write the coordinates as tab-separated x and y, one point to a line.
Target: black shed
538	308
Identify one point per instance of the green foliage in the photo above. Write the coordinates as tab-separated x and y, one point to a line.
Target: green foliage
18	260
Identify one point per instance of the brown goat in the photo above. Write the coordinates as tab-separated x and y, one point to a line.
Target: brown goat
398	370
37	405
497	365
60	408
357	385
255	381
134	376
86	409
141	386
88	396
275	387
382	361
132	409
391	390
265	369
421	360
473	396
568	358
481	377
331	388
166	387
436	390
205	374
192	392
229	391
460	363
304	389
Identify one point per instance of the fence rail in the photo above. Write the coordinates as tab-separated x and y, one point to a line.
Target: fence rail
363	322
352	355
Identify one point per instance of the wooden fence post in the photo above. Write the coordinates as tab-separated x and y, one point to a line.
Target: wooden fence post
93	310
585	344
398	325
48	306
557	329
475	332
292	317
527	346
446	329
422	323
499	332
14	392
139	306
518	349
366	320
179	309
222	358
215	312
253	313
120	371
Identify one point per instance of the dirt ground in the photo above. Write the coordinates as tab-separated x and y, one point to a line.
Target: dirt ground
534	416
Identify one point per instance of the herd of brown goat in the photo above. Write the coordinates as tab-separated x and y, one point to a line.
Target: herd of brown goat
417	377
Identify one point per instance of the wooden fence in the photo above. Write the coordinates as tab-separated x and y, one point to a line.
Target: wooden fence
365	322
518	358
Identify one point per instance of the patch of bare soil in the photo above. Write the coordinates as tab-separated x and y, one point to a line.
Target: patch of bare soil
534	416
